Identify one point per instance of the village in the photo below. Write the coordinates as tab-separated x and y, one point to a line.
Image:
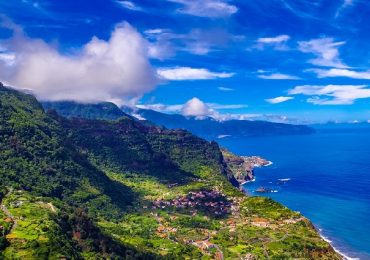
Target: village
211	202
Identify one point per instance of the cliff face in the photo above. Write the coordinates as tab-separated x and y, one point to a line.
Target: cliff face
242	167
95	189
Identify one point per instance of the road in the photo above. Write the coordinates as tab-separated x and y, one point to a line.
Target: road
9	215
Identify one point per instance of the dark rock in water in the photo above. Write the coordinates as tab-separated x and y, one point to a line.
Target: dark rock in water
264	190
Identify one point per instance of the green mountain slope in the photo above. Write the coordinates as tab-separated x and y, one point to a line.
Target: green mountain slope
94	189
37	160
70	109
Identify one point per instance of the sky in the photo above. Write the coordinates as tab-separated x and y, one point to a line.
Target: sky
296	61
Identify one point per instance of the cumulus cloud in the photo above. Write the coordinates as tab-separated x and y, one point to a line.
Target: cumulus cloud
278	76
332	94
187	73
114	70
278	100
330	73
206	8
326	51
196	107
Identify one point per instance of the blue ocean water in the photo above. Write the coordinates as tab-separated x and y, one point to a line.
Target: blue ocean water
329	183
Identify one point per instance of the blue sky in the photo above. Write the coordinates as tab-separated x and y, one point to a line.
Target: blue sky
280	60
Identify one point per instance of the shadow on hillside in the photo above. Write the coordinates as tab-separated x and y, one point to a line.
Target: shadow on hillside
122	147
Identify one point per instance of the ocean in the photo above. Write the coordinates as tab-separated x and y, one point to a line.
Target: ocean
328	181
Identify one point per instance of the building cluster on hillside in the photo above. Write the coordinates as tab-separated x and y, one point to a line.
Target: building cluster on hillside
255	161
213	202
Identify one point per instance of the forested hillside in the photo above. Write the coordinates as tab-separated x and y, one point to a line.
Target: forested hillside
95	189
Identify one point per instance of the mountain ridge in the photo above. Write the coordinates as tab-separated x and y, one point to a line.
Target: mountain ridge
208	127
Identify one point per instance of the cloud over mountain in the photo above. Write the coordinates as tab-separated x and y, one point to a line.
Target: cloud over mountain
116	69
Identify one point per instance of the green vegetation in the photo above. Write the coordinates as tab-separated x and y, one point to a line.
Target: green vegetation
93	189
70	109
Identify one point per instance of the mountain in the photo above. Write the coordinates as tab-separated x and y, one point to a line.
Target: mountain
342	127
207	127
210	127
71	109
94	189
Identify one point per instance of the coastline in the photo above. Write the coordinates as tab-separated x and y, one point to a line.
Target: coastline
319	231
345	257
317	185
269	163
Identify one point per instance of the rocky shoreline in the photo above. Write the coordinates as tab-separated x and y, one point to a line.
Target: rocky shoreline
243	167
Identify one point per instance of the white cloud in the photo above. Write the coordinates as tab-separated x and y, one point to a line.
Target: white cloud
277	42
330	73
196	107
179	107
225	89
187	73
326	51
160	45
155	31
161	107
332	94
117	69
229	116
345	4
274	40
206	8
7	58
129	5
278	76
278	100
224	107
199	109
165	43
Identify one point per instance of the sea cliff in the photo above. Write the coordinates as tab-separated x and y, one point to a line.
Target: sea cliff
243	167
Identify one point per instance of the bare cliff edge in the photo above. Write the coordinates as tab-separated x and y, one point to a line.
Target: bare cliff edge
242	167
117	189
